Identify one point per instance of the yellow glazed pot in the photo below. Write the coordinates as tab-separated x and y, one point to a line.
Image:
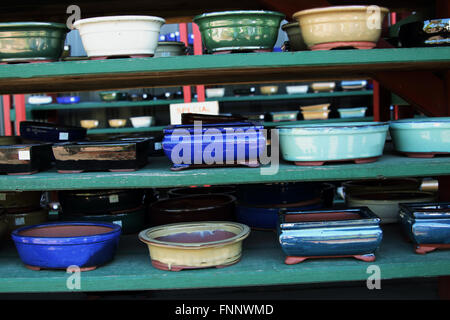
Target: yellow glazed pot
316	107
117	123
89	124
195	245
341	26
315	115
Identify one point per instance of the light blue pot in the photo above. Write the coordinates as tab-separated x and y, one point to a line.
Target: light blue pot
427	135
333	141
352	112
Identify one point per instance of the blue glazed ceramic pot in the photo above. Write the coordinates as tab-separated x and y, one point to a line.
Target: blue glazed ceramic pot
68	99
426	224
419	137
328	233
59	245
314	144
214	144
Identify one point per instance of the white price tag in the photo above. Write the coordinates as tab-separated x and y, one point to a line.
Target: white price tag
19	221
63	136
118	222
24	155
114	198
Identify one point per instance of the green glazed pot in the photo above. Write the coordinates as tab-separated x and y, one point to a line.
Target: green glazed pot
294	33
239	30
31	41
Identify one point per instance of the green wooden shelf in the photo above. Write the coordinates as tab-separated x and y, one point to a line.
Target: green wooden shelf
157	174
262	263
125	130
216	69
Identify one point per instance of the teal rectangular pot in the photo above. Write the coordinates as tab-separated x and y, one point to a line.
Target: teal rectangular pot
333	141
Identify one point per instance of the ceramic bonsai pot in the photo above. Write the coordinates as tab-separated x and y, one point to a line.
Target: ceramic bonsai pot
170	49
297	89
21	159
31	41
178	192
323	86
191	146
50	132
294	33
341	26
13	201
427	33
427	225
142	122
268	90
283	116
116	36
381	185
215	92
352	112
59	245
89	124
131	220
100	201
26	218
195	245
229	31
385	204
121	155
315	115
108	96
329	234
316	144
421	138
40	99
201	207
68	99
353	84
117	123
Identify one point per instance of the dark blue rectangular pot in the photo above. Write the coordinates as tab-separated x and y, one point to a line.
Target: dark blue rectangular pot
426	223
214	144
51	132
51	246
348	232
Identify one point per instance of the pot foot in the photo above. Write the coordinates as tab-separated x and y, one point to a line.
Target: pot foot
363	257
344	45
125	56
70	171
21	173
425	248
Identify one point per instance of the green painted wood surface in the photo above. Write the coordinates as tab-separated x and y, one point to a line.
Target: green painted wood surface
262	263
216	69
125	130
157	174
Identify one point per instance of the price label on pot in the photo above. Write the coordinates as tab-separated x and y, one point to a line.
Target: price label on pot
114	198
177	109
19	221
63	136
24	155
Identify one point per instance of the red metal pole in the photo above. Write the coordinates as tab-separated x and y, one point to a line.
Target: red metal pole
198	50
183	29
381	102
7	115
19	107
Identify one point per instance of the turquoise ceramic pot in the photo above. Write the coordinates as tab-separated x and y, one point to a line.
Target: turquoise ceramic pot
24	41
332	142
427	135
239	30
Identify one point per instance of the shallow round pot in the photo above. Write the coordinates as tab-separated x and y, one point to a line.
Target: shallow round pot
195	245
112	96
215	92
385	203
38	99
239	30
21	219
381	185
421	136
59	245
120	35
68	99
14	201
294	33
341	26
323	86
89	124
297	89
170	49
178	192
31	41
202	207
318	143
142	122
352	112
268	90
100	201
117	123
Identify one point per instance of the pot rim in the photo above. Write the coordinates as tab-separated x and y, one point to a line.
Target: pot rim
231	199
237	13
421	196
318	128
335	8
127	18
289	25
421	123
30	24
179	227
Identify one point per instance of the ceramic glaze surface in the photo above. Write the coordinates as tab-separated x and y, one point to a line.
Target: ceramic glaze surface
421	135
332	237
352	112
120	35
59	252
31	41
426	223
325	142
239	30
170	49
294	33
340	24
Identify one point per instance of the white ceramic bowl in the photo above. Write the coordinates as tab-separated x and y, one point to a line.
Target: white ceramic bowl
215	92
120	35
141	122
40	99
352	112
297	89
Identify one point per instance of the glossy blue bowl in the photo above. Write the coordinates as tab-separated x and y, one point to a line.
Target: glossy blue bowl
426	224
58	245
352	232
214	144
68	99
